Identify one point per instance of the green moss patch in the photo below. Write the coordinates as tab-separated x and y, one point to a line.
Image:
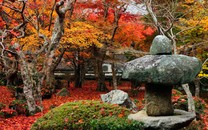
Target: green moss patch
87	115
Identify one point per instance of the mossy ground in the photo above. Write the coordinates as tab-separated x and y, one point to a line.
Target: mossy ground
82	115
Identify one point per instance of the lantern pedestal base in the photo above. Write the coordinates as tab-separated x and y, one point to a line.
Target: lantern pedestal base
178	120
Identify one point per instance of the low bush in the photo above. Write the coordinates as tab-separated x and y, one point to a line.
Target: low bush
20	106
87	115
195	125
2	78
115	123
46	92
180	101
7	113
2	106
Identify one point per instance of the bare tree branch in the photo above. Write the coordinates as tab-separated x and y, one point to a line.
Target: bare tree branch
51	18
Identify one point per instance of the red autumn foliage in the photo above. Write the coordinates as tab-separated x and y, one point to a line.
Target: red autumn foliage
2	23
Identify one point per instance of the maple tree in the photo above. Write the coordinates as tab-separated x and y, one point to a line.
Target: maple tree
35	49
122	27
79	38
32	16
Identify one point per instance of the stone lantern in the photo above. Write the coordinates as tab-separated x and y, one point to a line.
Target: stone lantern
160	71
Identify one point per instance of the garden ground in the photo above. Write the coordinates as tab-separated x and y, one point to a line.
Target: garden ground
88	92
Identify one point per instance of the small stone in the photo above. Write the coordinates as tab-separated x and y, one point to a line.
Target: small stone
161	45
63	92
118	97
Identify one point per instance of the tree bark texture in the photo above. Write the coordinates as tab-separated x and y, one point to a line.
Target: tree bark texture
11	69
191	105
32	88
78	76
114	79
101	86
197	87
57	33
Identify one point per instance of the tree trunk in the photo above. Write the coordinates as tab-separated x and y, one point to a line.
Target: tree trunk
11	69
31	87
114	78
78	77
58	31
101	86
11	74
79	70
191	105
31	81
197	87
50	57
50	82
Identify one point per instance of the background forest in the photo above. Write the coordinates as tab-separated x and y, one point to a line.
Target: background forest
46	45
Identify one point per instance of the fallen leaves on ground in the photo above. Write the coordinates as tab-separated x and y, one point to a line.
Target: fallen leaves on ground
5	95
21	122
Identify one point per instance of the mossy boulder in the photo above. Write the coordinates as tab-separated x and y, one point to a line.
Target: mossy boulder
85	115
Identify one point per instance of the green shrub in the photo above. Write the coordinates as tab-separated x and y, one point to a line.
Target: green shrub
81	115
2	106
17	92
52	106
2	78
7	113
46	92
20	106
134	92
115	123
182	103
195	125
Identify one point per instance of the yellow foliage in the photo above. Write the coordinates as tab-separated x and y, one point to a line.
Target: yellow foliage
43	8
83	35
189	1
203	72
194	20
204	23
32	41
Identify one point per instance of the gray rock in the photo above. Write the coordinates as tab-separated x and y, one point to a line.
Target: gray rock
118	97
63	92
161	45
179	120
163	69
